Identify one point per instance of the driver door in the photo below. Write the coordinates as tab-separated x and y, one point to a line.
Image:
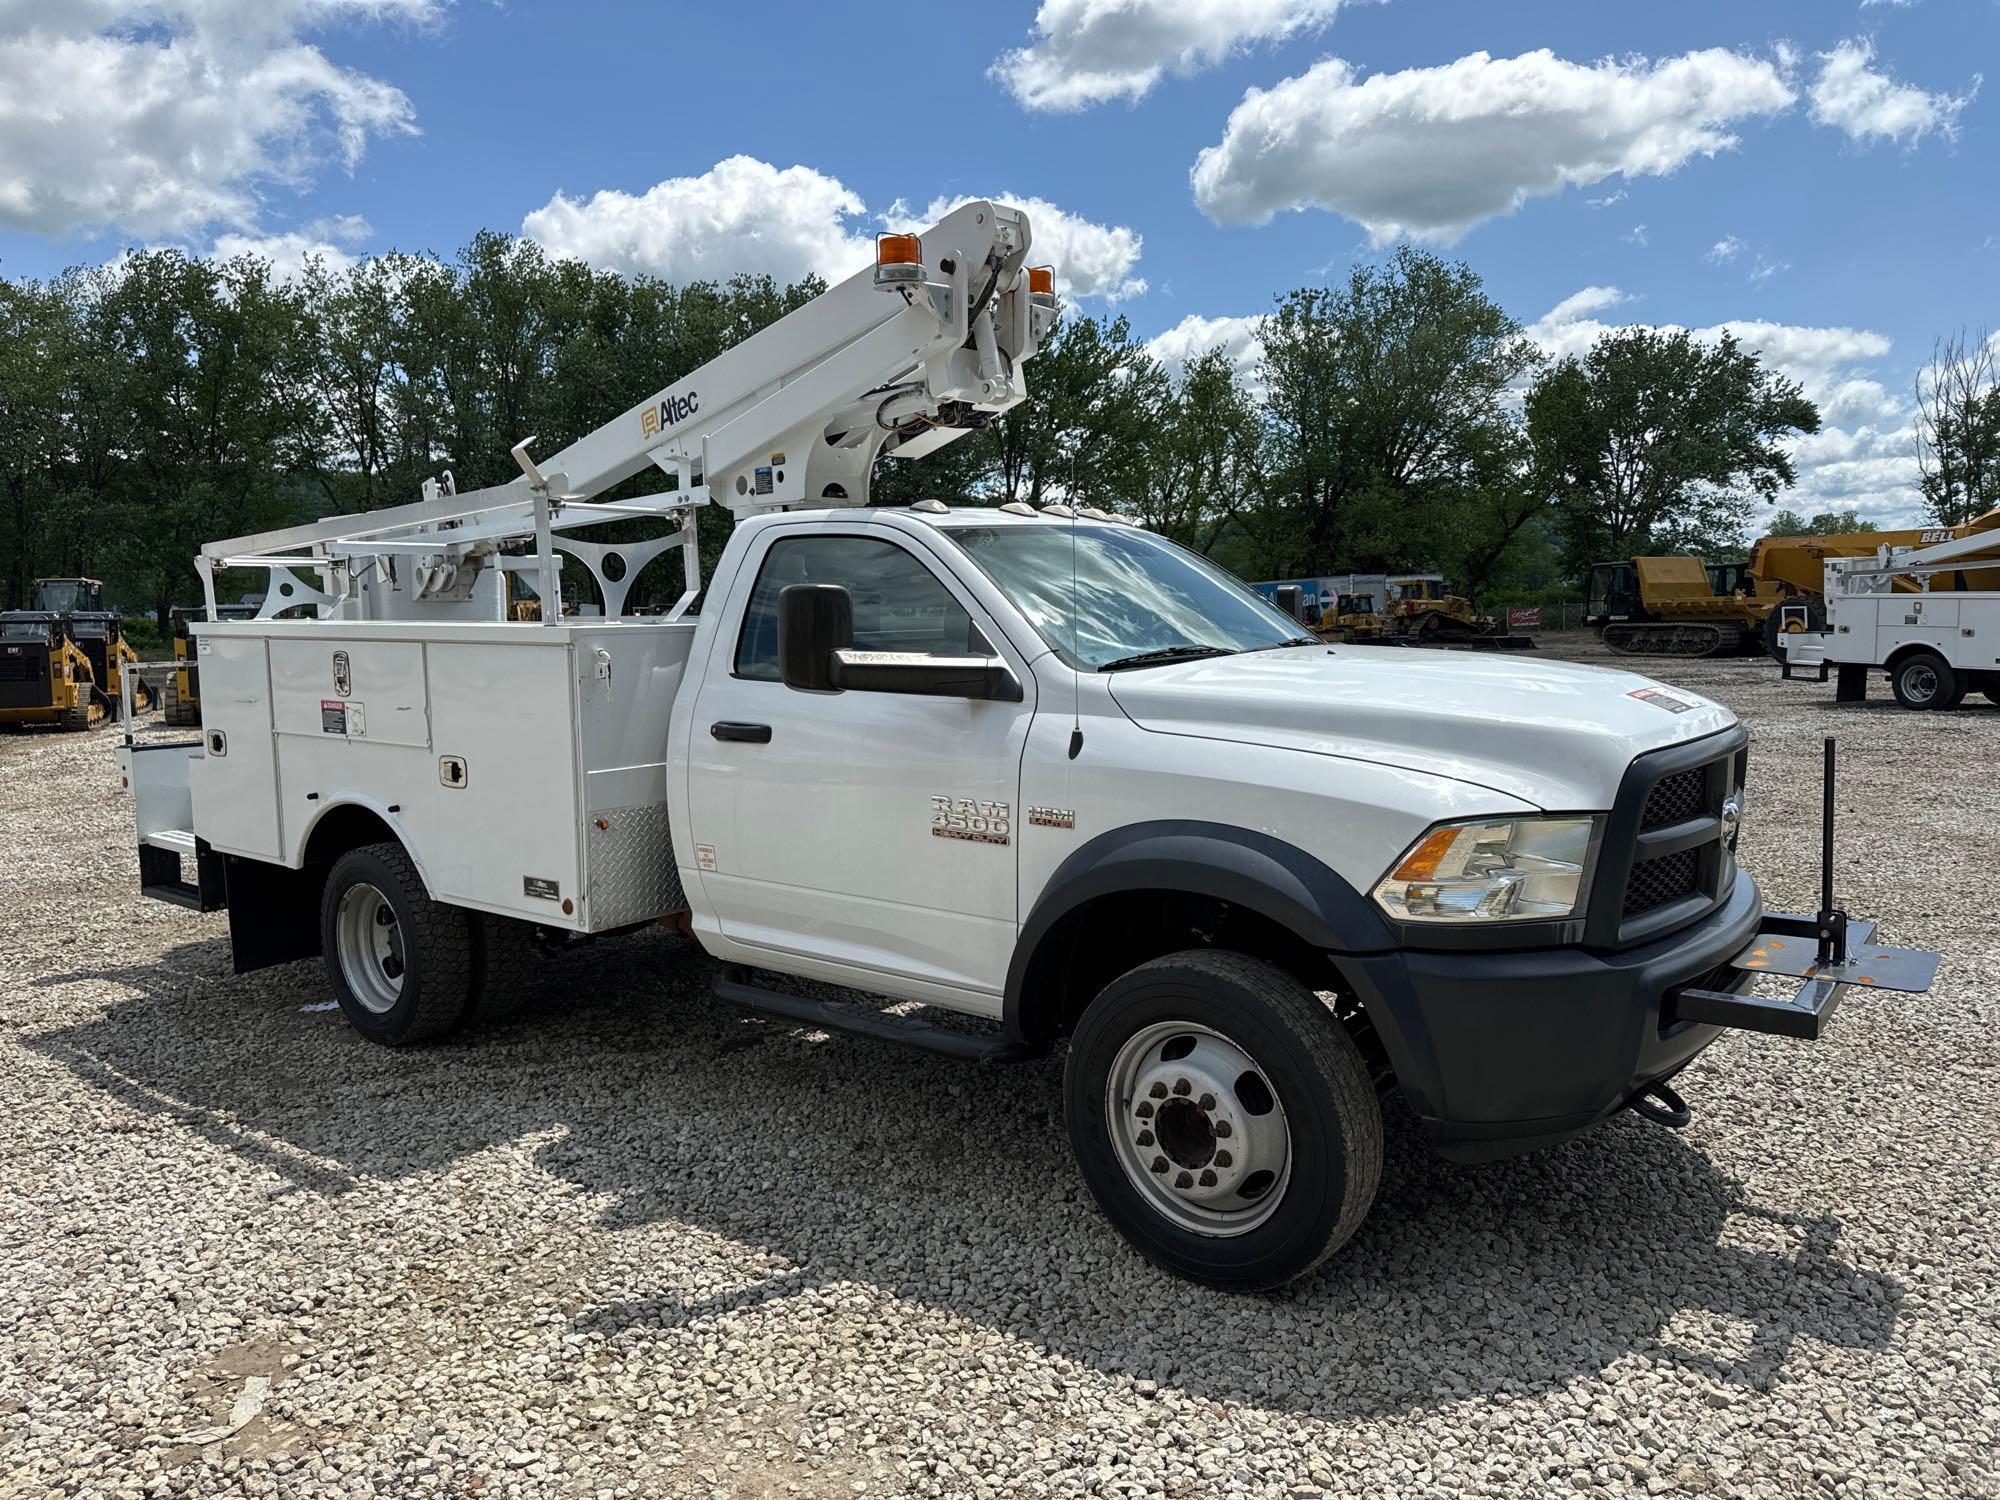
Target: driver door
870	830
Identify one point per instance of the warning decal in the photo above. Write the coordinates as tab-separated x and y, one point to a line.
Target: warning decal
332	716
1661	699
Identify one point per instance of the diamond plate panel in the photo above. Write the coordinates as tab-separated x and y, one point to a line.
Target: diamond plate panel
630	867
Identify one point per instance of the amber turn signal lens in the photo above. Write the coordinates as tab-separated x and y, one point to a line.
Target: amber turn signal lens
1423	861
1042	279
898	250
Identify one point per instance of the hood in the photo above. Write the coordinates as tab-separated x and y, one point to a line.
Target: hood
1554	735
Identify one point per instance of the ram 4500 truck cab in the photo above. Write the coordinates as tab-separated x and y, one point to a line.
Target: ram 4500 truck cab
1041	768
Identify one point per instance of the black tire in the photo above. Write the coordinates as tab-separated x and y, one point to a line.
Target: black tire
1925	680
1306	1061
1992	694
513	963
436	955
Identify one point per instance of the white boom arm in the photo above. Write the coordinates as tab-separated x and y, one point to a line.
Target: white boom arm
901	357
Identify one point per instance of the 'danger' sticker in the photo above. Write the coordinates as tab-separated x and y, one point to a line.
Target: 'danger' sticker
1660	698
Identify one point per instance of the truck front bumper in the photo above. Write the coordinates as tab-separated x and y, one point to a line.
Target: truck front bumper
1500	1053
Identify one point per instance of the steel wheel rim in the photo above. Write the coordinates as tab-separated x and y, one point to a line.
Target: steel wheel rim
1922	681
1198	1129
370	944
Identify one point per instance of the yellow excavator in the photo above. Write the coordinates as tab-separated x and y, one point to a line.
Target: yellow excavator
45	678
1669	606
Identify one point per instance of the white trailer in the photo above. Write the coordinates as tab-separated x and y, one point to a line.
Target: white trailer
1042	769
1882	615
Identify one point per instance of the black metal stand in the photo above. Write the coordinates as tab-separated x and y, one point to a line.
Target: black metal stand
1832	920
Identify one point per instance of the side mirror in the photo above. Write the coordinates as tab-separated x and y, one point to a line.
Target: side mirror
814	621
816	654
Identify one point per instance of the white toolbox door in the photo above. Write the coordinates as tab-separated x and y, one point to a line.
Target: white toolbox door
235	783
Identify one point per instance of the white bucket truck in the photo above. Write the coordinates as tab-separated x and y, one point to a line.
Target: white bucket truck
1044	769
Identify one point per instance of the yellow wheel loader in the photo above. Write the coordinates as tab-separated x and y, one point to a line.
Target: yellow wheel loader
45	678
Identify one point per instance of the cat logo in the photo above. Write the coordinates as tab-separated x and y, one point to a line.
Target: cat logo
343	674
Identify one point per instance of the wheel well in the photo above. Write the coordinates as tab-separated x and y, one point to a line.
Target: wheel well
1094	943
346	827
1903	653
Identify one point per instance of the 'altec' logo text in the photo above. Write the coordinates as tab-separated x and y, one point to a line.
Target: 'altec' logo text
670	411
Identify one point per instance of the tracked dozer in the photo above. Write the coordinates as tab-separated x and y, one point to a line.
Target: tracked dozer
1424	612
1353	621
1668	606
45	678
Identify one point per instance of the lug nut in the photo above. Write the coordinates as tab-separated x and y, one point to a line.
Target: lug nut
1206	1101
1207	1178
1185	1180
1222	1129
1145	1137
1159	1164
1223	1158
1158	1091
1182	1086
1144	1111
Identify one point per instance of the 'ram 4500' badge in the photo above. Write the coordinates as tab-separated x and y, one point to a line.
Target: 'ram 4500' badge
976	822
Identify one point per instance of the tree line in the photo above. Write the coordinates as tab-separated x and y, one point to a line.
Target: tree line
1398	419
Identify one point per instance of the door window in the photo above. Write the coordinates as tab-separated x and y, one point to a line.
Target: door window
899	604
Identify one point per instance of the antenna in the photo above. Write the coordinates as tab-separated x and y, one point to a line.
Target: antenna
1075	650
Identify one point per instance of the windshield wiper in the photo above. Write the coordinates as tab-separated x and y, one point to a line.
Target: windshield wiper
1296	640
1164	655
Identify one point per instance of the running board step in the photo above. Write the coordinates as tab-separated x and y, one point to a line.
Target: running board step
735	985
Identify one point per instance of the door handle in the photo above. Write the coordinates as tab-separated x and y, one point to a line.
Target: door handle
749	734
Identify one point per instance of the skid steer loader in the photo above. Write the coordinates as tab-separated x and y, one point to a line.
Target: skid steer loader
45	677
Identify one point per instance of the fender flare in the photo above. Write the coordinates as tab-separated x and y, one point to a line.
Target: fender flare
1242	866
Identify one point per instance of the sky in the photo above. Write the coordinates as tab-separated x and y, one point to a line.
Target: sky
1817	175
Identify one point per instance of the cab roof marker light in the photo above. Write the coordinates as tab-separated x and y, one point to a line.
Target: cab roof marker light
1058	510
1017	508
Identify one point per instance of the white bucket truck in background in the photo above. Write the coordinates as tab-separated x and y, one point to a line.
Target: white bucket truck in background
1041	768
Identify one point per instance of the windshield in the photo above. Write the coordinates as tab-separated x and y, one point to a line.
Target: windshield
25	630
64	595
1135	593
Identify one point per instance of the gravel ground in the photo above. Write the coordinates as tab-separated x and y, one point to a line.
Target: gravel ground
634	1243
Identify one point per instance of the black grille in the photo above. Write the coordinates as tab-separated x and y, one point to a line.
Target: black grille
1655	882
27	667
1676	798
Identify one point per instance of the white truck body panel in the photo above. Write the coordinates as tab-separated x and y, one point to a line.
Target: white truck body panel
559	812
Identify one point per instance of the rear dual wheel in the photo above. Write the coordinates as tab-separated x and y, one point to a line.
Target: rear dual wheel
406	968
1925	680
1223	1118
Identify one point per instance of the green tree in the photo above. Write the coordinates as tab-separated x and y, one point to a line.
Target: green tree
1203	454
1658	441
1821	523
1095	401
39	348
1958	429
1387	400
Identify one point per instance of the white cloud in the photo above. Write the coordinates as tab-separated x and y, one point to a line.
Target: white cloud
1430	152
1766	268
747	215
740	215
1863	454
165	117
1084	52
330	240
1870	106
1636	235
1609	200
1241	338
1725	249
1091	260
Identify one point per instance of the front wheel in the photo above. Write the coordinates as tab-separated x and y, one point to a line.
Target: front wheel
401	964
1223	1118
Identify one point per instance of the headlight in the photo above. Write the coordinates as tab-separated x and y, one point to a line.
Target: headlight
1505	870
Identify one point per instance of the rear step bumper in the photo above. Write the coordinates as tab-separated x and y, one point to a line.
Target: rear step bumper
163	876
735	985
